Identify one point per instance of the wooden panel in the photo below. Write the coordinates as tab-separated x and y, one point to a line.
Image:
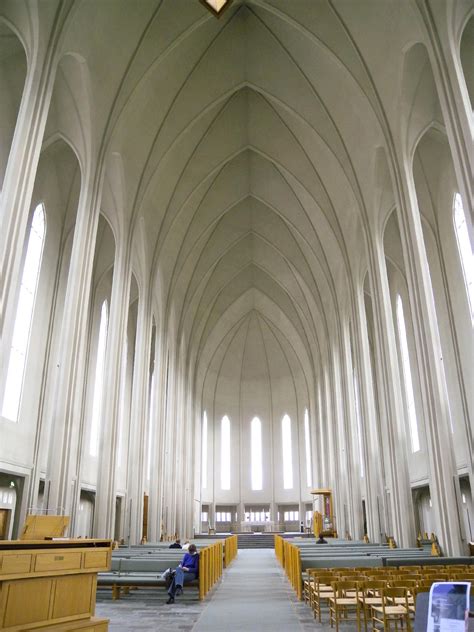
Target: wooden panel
96	559
10	564
72	596
40	527
57	561
26	602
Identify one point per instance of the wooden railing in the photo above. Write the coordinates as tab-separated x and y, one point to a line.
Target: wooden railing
210	567
230	549
290	558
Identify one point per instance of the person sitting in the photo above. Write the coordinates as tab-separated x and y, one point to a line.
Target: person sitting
186	572
186	545
321	540
176	544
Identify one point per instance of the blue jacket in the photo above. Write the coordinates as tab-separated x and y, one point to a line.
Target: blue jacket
191	562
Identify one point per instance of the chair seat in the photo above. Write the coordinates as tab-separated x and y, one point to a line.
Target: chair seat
401	600
391	610
344	601
371	601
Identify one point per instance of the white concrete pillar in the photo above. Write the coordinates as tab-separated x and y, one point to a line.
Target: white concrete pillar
391	409
157	450
20	173
444	483
104	516
138	417
66	424
442	30
372	445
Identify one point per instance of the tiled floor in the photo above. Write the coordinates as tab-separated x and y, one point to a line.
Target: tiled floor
253	596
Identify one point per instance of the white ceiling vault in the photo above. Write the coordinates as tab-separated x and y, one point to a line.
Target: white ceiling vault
241	156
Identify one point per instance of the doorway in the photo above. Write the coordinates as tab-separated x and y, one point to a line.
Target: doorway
5	516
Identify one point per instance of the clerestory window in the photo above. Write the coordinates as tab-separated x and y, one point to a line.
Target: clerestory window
256	453
465	250
204	451
410	397
287	458
24	316
99	380
225	452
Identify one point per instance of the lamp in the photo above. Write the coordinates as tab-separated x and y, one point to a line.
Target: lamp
216	7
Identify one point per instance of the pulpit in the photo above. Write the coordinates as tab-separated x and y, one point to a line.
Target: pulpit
324	521
50	582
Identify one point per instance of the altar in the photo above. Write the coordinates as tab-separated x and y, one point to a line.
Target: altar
257	526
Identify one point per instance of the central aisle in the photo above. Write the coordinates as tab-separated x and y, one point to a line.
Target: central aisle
253	596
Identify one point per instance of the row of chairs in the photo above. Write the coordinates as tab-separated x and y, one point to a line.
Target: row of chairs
383	596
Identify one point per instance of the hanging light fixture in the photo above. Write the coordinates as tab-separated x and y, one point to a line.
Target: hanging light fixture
216	6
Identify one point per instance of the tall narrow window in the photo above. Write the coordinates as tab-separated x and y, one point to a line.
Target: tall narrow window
307	438
24	316
151	414
123	398
410	397
256	453
204	450
359	425
225	453
287	460
465	250
99	381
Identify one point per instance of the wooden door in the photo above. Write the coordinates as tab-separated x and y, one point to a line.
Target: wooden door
4	521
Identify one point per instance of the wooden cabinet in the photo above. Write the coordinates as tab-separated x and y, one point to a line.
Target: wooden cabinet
51	585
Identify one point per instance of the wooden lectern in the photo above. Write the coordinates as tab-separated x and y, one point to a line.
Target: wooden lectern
48	582
323	515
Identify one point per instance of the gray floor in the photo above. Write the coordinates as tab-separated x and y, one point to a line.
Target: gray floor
253	596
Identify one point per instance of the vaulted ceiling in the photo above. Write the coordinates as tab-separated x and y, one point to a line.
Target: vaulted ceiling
240	153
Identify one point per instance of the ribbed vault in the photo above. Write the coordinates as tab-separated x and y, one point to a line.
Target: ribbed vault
246	175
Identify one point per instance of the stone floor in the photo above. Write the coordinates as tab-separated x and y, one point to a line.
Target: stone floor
253	596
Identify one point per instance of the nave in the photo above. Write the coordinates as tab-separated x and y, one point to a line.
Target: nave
253	595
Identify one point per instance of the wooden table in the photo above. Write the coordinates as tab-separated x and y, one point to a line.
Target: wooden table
51	584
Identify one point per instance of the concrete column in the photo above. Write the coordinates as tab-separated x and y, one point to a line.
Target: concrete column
392	413
444	483
66	424
438	19
372	447
157	451
25	151
104	517
138	416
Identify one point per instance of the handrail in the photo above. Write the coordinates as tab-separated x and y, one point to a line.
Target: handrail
210	567
230	549
289	557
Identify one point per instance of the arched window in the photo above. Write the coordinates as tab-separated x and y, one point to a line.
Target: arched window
123	399
225	452
256	453
99	380
307	438
359	425
24	316
287	459
410	397
204	450
465	251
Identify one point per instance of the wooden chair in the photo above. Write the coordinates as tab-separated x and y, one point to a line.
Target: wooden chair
389	611
344	602
307	583
322	592
465	577
369	596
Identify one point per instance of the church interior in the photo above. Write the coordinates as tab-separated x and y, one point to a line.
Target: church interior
236	271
